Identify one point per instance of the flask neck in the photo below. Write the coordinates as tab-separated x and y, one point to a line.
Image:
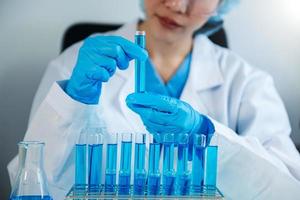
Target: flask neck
31	155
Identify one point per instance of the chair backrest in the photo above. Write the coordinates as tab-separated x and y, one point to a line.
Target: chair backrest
80	31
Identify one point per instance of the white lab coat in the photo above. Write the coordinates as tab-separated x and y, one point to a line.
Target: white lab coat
257	159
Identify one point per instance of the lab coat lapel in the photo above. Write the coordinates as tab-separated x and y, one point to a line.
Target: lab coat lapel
204	74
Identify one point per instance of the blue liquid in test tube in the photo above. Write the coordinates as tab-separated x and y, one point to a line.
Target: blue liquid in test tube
139	165
95	164
153	169
197	166
111	165
88	158
125	164
169	176
140	69
80	164
95	146
210	166
183	175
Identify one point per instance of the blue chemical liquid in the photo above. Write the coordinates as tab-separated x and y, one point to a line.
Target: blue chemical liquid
139	157
183	185
139	169
95	164
153	184
139	184
124	184
31	197
182	159
197	170
153	171
210	167
80	164
125	165
140	69
110	182
183	176
169	184
111	164
169	176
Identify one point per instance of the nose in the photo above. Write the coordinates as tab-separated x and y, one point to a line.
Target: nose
177	5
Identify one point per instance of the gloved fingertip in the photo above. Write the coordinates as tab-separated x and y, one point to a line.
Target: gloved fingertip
130	98
124	65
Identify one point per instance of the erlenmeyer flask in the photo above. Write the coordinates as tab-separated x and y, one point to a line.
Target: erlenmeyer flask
31	181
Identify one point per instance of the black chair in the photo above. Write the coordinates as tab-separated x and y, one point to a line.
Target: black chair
80	31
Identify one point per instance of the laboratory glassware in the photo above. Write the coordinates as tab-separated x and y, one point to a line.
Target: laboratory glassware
125	164
183	179
139	164
169	175
31	180
111	164
199	142
140	69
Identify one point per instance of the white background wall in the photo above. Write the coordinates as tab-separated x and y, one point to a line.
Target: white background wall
267	33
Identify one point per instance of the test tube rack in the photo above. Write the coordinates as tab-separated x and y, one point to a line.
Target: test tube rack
98	193
196	186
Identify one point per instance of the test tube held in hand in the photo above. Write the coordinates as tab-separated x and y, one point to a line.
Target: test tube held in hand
140	69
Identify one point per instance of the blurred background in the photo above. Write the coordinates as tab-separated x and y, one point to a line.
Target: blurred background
266	33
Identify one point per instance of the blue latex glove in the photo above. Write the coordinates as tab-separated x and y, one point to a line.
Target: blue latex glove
96	63
163	114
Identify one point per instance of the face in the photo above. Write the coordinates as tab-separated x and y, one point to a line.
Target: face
172	20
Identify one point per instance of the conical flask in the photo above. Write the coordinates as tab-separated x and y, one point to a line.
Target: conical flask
31	181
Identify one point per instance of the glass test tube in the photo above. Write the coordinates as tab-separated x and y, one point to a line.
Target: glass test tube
183	174
210	164
140	69
111	164
88	159
95	149
197	166
80	161
139	164
169	175
125	164
153	168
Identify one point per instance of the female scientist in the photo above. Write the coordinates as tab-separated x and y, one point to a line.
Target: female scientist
192	86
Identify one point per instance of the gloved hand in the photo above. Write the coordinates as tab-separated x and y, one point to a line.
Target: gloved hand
96	63
162	114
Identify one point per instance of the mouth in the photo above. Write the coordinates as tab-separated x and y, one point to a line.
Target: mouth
168	23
